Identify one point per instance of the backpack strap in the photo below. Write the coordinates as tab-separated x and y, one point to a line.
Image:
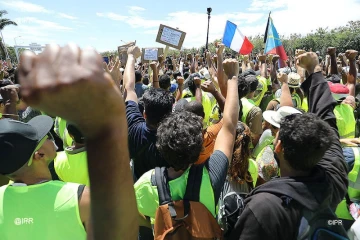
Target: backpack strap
193	185
164	190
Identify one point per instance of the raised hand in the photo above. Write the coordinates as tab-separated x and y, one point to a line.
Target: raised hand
231	68
208	86
220	48
10	93
308	61
180	80
282	77
351	54
197	81
60	81
135	51
299	52
114	72
331	51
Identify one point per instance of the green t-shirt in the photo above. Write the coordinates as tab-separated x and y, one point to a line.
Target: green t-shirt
148	199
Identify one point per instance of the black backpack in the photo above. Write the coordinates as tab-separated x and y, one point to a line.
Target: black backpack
323	224
231	205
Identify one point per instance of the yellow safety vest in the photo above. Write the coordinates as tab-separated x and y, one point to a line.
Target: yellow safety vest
305	105
353	188
247	105
345	120
295	97
263	85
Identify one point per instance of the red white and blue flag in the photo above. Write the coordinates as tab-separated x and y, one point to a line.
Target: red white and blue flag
235	40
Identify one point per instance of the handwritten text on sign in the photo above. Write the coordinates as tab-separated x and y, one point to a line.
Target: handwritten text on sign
170	36
151	54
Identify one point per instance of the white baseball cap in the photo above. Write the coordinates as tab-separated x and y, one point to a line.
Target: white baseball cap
275	117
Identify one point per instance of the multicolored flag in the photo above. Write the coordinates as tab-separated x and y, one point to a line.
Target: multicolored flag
273	43
235	40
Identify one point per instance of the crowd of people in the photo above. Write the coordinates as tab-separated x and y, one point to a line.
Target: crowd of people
195	147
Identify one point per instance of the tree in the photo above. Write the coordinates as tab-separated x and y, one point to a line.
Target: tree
3	23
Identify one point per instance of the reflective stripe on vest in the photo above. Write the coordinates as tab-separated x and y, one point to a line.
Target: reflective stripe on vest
43	211
345	120
294	97
247	105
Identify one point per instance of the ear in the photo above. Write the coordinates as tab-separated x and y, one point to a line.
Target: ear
278	148
144	113
38	155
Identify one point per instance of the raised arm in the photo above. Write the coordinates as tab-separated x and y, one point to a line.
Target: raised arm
263	68
209	87
198	92
321	103
285	98
351	77
180	82
333	64
226	138
53	91
129	74
220	70
155	75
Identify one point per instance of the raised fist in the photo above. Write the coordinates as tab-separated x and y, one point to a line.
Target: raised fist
308	61
220	48
231	68
262	57
299	52
282	77
10	93
135	51
197	81
208	86
331	51
351	54
180	80
246	58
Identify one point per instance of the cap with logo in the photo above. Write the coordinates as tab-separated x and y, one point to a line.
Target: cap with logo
19	140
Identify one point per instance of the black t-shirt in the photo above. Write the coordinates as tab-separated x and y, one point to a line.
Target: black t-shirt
142	142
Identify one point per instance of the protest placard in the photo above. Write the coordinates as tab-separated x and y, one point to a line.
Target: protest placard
170	36
151	54
122	50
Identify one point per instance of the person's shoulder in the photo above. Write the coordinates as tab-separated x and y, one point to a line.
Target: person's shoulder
144	180
255	111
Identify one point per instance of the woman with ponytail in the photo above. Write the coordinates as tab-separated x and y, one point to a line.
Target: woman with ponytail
242	173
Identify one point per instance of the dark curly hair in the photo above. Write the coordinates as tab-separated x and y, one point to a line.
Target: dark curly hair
243	90
157	104
238	169
180	139
305	139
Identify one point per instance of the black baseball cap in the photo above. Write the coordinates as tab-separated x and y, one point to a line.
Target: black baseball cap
18	141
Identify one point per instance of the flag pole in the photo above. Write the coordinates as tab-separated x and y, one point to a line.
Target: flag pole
267	27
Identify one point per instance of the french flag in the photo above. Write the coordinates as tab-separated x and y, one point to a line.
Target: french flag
235	40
